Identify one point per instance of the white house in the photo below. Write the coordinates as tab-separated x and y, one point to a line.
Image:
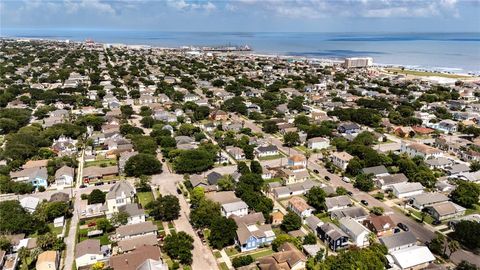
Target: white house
341	159
357	232
29	203
64	177
419	149
415	257
318	143
239	208
266	151
135	213
409	189
300	207
88	252
120	194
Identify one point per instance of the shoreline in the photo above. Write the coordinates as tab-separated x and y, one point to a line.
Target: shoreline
432	71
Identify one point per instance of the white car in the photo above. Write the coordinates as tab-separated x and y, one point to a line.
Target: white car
346	179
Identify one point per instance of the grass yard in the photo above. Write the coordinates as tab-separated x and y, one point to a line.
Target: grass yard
54	230
100	162
223	266
262	253
144	198
301	148
474	210
231	251
217	254
425	73
103	239
271	157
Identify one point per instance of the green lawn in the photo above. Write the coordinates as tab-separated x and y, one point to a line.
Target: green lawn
99	162
223	266
54	230
103	239
231	251
301	148
262	253
271	157
217	254
425	73
144	198
474	210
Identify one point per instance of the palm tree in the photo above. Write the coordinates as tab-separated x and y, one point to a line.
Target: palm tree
308	154
23	254
453	246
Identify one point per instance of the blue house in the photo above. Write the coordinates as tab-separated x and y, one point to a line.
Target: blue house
333	236
37	176
252	232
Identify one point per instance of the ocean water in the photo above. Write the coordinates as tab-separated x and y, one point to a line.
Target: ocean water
450	52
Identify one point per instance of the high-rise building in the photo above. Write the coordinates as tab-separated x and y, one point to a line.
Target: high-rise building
358	62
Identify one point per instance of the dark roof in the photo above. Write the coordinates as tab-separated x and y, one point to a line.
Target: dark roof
398	240
375	170
213	177
267	148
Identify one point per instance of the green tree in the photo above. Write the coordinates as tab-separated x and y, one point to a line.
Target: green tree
240	261
120	218
464	265
291	139
143	164
377	210
166	208
316	198
256	167
179	246
193	161
285	238
226	182
203	215
223	232
104	225
96	196
196	196
310	239
14	218
466	194
291	222
364	182
270	127
127	111
466	232
474	166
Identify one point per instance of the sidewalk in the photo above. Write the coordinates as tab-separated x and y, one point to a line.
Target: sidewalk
226	259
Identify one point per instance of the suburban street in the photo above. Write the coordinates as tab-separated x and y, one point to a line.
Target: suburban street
424	233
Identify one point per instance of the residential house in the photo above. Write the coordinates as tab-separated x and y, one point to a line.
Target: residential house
94	173
124	157
398	241
150	264
252	232
127	245
277	218
291	189
380	225
293	177
230	204
135	213
136	258
341	159
213	178
377	171
135	230
412	258
348	128
337	203
445	210
355	212
420	149
318	143
357	233
297	163
386	182
447	126
266	151
333	236
120	194
426	199
88	252
48	260
29	203
313	222
219	115
37	176
300	207
408	189
439	163
64	176
287	258
236	152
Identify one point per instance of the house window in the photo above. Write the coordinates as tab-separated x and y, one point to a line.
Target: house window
120	201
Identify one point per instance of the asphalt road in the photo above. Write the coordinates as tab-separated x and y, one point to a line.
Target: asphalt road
423	232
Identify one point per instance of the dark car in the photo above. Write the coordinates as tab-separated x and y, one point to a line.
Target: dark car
163	160
364	202
436	222
403	226
396	230
327	178
315	171
349	193
83	186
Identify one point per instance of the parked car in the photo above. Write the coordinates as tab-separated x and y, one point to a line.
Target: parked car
315	171
364	202
396	230
403	226
349	193
346	179
436	222
327	178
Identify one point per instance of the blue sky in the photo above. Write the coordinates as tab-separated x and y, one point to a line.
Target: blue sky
246	15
